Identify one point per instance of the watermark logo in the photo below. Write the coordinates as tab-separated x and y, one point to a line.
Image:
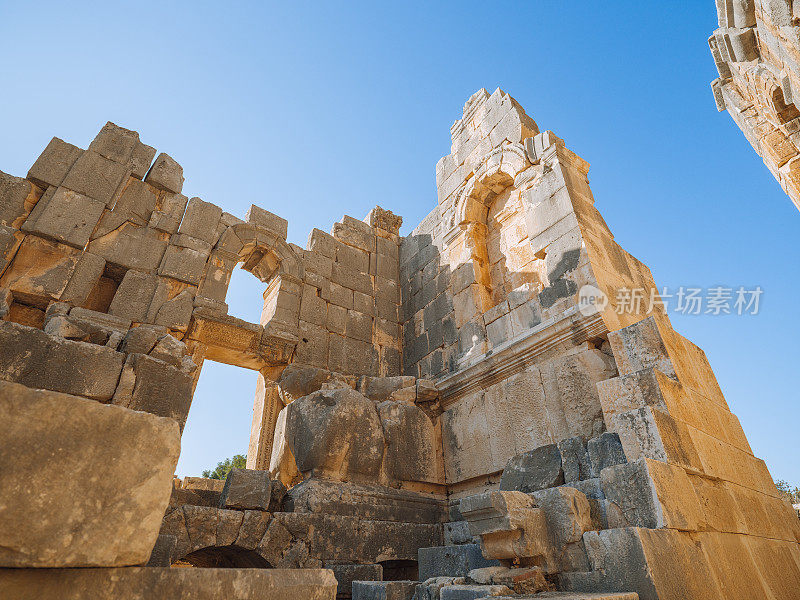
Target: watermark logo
591	300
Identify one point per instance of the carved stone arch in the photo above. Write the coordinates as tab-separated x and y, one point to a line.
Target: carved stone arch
265	254
496	171
769	96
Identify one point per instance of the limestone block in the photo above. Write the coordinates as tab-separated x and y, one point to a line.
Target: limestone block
336	432
183	264
40	271
175	312
10	240
246	489
567	512
410	453
168	217
54	163
457	532
115	143
65	216
53	445
605	451
134	296
135	204
203	483
166	174
152	386
461	591
158	583
651	433
85	282
97	177
263	218
359	326
347	575
169	350
718	506
653	494
131	247
648	387
533	470
161	556
200	220
384	388
33	358
353	235
18	197
297	381
509	523
351	279
451	561
575	459
383	590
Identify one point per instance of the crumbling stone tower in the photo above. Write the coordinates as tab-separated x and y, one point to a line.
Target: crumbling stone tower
757	53
442	408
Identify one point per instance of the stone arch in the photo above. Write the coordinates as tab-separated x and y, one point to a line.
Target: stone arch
264	253
225	557
769	96
496	172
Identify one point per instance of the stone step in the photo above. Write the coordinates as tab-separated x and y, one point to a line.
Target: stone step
383	590
451	561
471	592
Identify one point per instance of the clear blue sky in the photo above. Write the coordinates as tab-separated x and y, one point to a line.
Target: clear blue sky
317	109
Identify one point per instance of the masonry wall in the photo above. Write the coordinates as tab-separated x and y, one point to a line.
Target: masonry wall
757	54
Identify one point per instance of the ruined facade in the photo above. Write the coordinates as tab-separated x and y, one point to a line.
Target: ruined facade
437	416
757	53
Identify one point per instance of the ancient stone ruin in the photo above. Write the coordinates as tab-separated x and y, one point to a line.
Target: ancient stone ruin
757	53
445	415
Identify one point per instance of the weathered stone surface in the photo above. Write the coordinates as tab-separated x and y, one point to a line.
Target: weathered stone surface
153	386
368	501
17	198
605	451
383	590
574	459
346	575
410	453
533	470
161	556
246	489
53	444
38	360
158	583
65	216
451	561
336	432
54	163
96	177
165	174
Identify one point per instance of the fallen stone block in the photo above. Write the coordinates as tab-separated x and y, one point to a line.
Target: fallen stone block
85	484
157	583
383	590
246	489
451	561
534	470
347	574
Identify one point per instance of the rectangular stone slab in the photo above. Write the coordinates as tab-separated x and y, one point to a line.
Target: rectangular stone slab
84	484
161	583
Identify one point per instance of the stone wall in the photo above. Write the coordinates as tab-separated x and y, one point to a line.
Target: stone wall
757	53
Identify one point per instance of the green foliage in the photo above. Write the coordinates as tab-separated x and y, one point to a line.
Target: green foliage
238	461
792	494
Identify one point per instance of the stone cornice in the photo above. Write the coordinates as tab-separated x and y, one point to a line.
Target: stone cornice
518	353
